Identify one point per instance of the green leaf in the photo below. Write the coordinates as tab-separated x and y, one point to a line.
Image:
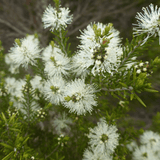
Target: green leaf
25	140
7	146
123	84
134	75
8	156
131	96
14	129
139	100
13	116
150	90
4	118
128	76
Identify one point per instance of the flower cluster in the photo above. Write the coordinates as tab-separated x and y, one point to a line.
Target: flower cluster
24	52
15	89
149	148
56	63
148	23
99	51
61	124
56	18
143	67
79	97
103	140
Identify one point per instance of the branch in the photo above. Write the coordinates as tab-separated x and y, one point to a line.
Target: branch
99	17
12	27
51	152
118	89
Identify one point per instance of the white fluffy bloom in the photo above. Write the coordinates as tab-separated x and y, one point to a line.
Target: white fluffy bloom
152	139
61	123
17	97
13	68
56	19
26	52
79	97
93	155
131	146
53	90
38	83
148	22
104	138
56	63
99	52
144	152
10	84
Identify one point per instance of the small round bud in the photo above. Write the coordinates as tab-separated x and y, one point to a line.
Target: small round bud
99	57
106	56
136	66
77	98
144	69
98	62
138	71
92	56
141	64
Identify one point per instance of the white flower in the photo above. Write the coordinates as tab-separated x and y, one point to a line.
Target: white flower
93	155
53	90
97	53
144	152
56	19
37	83
79	97
131	146
10	85
136	66
144	69
56	63
138	71
104	138
141	64
13	68
32	157
61	123
26	52
130	63
18	100
148	22
149	137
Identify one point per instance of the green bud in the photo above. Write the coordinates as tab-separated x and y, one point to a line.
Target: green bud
18	42
95	27
36	35
57	3
52	44
68	98
28	77
52	58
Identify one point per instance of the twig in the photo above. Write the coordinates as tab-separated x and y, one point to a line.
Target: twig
51	152
99	17
118	89
12	27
